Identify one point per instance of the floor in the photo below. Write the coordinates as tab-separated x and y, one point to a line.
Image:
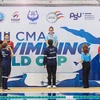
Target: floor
59	93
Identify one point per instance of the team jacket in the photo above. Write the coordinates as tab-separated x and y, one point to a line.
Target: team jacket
50	54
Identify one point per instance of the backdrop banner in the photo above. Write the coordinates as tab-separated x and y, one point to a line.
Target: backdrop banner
28	26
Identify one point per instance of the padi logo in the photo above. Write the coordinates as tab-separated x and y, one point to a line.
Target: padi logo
32	16
86	16
52	17
2	17
15	17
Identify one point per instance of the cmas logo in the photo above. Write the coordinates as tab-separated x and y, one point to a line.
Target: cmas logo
15	17
52	17
2	17
33	16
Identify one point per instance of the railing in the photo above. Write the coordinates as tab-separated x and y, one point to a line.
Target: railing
49	2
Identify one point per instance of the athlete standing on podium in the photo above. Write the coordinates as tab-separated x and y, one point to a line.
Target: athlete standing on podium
51	35
7	40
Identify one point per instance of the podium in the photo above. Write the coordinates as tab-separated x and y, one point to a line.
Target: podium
40	80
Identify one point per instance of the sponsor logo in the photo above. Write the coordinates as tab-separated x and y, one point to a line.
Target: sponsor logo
33	16
52	17
15	17
2	17
86	16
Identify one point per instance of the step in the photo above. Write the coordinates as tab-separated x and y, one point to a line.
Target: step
40	80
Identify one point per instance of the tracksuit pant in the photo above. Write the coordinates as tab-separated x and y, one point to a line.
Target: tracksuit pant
85	72
5	74
51	70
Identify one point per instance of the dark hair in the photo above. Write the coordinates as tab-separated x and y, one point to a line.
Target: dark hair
1	41
6	34
51	27
85	49
4	45
1	44
50	41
